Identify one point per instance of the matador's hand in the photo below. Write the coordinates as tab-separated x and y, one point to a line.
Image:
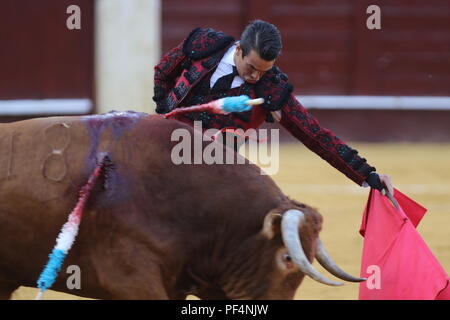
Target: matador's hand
380	181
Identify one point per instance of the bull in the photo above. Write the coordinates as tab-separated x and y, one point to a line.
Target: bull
152	229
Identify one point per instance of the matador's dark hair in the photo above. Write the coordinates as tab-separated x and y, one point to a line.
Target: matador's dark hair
262	37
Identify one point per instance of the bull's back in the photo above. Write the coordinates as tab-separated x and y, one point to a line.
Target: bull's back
45	158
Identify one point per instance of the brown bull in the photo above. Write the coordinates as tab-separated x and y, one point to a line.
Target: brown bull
151	229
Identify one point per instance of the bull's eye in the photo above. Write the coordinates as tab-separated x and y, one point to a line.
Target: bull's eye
287	261
284	261
287	257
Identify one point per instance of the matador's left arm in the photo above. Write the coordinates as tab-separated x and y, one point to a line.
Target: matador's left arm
305	127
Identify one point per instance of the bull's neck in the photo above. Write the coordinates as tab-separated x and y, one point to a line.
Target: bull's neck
238	267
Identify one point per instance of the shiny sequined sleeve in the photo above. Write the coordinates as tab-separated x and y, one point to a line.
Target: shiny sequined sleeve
300	123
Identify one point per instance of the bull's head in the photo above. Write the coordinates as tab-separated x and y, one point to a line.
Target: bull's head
273	263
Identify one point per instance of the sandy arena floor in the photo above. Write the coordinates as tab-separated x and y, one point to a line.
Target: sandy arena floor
421	171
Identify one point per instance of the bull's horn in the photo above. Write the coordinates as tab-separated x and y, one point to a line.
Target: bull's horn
326	262
290	223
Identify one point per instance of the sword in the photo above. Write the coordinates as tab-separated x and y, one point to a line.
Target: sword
386	192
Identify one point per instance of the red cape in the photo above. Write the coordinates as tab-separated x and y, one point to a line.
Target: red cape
396	260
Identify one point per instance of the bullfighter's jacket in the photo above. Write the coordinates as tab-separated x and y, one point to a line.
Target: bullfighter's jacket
182	79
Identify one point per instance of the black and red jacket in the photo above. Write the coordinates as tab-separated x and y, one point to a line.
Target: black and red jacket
182	79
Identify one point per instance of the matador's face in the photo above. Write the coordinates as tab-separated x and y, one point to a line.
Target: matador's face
251	67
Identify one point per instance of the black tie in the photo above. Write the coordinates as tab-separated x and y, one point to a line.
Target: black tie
224	83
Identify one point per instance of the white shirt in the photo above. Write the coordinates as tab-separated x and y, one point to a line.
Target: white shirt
226	67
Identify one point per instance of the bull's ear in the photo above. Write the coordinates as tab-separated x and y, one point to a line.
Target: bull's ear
272	225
